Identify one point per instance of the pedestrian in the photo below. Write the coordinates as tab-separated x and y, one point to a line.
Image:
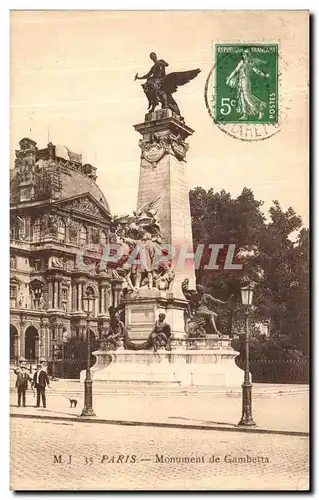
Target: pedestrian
22	383
40	381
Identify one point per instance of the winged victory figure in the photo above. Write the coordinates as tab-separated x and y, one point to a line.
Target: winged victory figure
159	87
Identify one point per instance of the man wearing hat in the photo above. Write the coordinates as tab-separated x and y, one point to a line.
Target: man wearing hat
40	381
22	383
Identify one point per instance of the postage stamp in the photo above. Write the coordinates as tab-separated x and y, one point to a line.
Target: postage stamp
243	91
246	83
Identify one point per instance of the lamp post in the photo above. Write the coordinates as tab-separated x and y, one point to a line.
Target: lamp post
247	418
88	408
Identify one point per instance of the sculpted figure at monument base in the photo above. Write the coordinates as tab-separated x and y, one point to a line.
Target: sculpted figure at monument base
200	312
116	335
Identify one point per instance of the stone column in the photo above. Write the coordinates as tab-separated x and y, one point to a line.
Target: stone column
60	294
16	347
107	294
69	306
60	333
56	295
22	342
48	342
36	349
74	297
116	291
96	306
80	307
170	179
43	353
50	293
101	299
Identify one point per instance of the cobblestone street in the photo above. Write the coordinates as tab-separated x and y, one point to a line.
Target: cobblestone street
285	411
122	457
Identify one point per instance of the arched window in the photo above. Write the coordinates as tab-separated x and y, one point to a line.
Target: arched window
89	291
36	231
61	231
89	300
102	238
83	236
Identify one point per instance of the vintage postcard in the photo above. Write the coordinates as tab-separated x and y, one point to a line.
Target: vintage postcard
159	336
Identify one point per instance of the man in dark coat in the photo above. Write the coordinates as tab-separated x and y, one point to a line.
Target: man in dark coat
40	381
22	383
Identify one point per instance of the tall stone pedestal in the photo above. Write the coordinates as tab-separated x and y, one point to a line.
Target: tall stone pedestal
163	180
163	183
143	308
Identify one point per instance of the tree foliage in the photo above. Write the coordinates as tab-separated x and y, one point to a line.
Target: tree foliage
269	255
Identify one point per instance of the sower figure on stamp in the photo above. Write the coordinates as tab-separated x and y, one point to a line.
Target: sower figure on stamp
240	78
40	381
22	383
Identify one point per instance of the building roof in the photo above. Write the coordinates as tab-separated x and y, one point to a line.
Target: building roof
76	183
59	166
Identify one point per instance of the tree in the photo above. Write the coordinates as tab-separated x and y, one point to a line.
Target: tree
270	257
219	219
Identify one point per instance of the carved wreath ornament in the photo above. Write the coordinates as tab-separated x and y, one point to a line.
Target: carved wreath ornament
154	148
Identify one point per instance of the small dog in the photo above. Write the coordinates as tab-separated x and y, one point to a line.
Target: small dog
73	403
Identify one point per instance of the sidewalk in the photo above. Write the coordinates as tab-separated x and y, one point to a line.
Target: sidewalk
276	409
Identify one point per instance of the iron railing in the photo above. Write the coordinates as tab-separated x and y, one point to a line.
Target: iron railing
68	368
278	371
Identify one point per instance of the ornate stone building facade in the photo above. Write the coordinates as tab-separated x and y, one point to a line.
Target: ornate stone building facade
57	211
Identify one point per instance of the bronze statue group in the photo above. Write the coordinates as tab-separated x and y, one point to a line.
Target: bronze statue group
200	322
116	335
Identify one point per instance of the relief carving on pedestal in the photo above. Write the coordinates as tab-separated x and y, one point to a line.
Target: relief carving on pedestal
178	146
154	148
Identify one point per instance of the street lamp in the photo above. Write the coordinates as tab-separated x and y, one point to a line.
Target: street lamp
88	408
247	418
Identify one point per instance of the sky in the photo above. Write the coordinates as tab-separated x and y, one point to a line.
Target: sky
72	82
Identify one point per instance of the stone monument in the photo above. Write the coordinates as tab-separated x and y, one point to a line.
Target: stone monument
163	183
162	297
